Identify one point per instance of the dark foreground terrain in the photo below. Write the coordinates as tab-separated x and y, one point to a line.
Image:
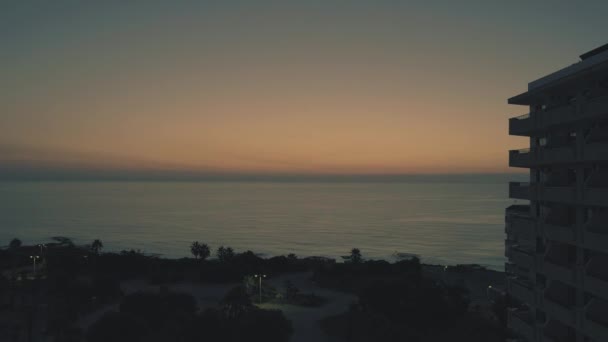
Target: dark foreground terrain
63	292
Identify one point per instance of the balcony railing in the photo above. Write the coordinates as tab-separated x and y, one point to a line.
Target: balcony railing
596	319
558	194
564	272
521	227
558	115
521	158
596	107
559	232
596	195
521	257
521	125
518	210
561	310
527	157
522	321
596	236
596	328
595	151
520	190
596	285
521	290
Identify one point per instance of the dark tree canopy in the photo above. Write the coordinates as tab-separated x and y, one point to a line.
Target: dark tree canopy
15	243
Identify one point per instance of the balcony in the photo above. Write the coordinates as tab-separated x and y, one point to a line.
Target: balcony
521	125
595	151
596	319
521	158
561	233
596	328
521	190
525	125
522	321
596	196
521	225
596	285
596	235
558	115
553	155
560	310
596	278
557	194
527	157
518	210
515	270
521	257
522	290
555	331
596	107
563	272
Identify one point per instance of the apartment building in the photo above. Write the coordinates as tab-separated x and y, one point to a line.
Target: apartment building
557	234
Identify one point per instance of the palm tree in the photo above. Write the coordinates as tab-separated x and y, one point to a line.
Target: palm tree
204	251
96	246
225	253
355	256
195	249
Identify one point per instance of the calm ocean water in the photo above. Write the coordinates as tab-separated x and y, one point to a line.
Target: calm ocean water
444	221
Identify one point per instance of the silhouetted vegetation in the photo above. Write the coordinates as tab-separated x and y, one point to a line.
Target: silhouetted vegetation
225	254
396	301
96	246
14	244
411	309
174	317
355	276
200	250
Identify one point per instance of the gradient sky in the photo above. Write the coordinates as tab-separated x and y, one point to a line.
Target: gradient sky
353	87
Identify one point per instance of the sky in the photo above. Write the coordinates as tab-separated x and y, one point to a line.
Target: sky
276	87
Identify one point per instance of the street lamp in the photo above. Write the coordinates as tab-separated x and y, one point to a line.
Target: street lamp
34	258
260	276
42	247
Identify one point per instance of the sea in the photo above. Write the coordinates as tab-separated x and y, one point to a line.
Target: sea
457	219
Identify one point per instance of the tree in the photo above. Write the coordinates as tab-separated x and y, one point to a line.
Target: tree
96	246
204	251
355	256
236	302
194	249
15	243
225	253
200	250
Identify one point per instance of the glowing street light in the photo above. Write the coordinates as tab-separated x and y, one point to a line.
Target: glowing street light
34	258
260	276
42	247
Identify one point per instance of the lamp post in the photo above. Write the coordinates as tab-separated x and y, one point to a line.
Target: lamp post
488	289
260	276
34	258
42	247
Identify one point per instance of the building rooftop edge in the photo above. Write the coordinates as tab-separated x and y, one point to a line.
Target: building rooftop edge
589	60
592	58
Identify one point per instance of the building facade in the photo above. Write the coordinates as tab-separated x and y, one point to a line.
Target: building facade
557	240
